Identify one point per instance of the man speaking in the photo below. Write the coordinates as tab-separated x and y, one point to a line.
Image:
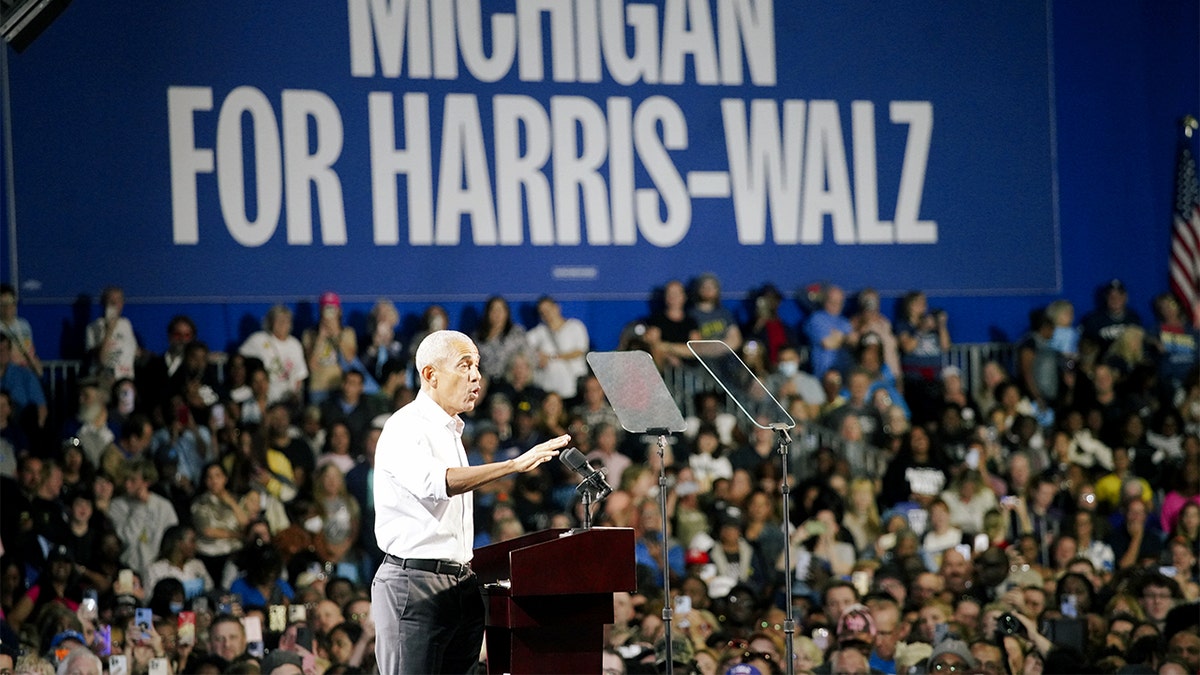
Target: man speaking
425	601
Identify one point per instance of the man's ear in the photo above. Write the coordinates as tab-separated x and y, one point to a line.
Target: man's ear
429	374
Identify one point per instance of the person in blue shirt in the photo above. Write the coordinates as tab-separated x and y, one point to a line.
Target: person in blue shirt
830	334
23	387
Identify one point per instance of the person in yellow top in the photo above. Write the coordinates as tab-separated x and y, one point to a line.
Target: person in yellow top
1109	488
256	466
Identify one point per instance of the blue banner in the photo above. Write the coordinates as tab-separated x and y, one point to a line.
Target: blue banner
590	149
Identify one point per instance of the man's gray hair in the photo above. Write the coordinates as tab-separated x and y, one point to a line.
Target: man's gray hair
438	347
76	657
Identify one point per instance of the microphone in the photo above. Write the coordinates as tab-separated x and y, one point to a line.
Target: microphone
592	478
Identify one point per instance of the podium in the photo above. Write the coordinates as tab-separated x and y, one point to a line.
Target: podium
548	595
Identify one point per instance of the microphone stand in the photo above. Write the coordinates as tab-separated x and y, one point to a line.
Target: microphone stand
789	623
668	611
586	493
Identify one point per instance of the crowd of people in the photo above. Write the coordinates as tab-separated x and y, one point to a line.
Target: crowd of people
203	515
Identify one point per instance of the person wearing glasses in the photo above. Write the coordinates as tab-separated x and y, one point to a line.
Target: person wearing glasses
1157	596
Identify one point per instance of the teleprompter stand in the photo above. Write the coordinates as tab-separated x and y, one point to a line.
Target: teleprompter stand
640	398
756	401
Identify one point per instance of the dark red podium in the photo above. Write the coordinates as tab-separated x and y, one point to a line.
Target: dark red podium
550	616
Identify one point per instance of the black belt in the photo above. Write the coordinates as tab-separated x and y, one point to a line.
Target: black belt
428	565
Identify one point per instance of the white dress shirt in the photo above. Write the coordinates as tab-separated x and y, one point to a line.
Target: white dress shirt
414	516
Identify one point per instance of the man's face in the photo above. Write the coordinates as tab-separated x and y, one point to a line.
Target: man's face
1115	299
139	442
136	486
352	386
887	624
925	587
1119	632
837	600
31	474
928	620
990	658
228	640
850	662
328	615
179	335
1157	602
1035	601
281	326
835	300
1185	646
860	384
955	568
455	381
114	299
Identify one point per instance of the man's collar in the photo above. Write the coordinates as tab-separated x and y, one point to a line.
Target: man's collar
435	413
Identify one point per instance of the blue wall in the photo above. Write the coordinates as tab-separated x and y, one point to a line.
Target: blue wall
1124	72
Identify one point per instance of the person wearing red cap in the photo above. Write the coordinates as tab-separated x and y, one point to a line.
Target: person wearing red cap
329	348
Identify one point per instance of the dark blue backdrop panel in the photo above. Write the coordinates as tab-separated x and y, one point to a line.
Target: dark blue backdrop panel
949	102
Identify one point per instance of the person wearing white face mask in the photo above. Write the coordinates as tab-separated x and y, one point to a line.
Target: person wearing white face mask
789	380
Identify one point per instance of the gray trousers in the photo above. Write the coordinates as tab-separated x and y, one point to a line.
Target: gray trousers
425	622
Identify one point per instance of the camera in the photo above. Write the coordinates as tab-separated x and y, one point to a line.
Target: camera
1008	624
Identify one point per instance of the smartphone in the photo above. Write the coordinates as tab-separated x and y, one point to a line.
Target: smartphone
200	604
973	458
296	613
964	550
124	582
304	637
940	632
683	604
1069	607
103	640
144	618
186	634
862	581
1008	500
90	605
820	637
158	666
888	541
1168	571
225	606
276	618
981	543
253	626
118	665
218	415
254	635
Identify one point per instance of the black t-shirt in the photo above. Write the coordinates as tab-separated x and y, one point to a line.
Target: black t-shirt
675	331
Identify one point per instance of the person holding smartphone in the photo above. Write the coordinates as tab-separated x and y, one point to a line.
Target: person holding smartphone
110	341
